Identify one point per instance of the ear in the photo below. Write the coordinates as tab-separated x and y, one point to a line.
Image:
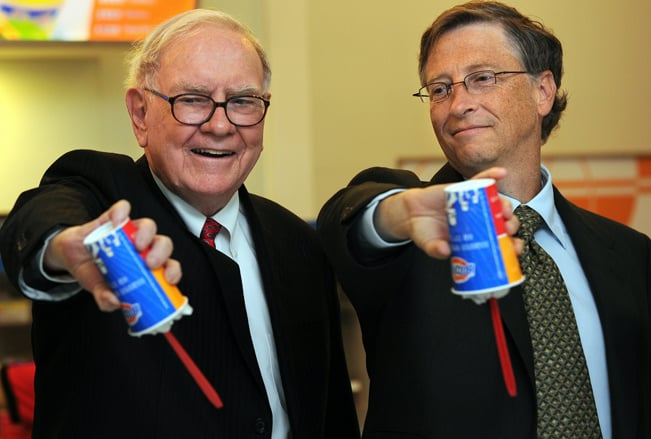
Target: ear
546	92
137	108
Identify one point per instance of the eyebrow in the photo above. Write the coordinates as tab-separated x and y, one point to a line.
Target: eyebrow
469	69
200	89
249	90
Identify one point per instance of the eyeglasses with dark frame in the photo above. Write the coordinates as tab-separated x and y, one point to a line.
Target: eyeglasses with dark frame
475	83
197	109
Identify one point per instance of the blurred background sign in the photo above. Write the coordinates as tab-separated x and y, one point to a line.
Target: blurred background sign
84	20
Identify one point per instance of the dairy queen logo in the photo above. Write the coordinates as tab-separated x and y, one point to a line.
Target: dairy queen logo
131	312
462	270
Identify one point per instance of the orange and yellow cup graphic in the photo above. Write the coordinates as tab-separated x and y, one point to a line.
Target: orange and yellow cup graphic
150	305
483	261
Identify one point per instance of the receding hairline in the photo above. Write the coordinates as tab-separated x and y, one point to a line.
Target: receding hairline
144	57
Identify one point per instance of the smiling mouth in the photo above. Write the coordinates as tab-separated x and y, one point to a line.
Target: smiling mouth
212	153
465	129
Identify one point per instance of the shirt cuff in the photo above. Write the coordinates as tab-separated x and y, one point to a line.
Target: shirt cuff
37	284
369	237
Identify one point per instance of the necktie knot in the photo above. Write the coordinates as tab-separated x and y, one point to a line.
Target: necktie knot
209	231
530	221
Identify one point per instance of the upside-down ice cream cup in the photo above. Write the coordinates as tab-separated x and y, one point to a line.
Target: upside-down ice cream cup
149	303
483	261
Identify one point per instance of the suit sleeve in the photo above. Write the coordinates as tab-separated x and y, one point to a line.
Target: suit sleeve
368	285
69	194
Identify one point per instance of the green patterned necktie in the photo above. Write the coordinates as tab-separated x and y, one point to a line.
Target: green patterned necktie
566	407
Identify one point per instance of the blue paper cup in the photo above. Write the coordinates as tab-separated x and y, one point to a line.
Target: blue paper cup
149	304
483	260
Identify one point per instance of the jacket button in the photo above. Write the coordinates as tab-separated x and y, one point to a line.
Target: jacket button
260	426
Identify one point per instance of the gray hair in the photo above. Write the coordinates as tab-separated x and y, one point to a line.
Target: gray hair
144	58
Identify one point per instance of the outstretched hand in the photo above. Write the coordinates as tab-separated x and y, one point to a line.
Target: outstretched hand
66	252
420	215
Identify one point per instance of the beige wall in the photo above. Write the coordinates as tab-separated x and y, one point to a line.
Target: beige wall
343	73
363	61
53	99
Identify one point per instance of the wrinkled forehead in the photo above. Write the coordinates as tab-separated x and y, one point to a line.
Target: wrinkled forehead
219	49
211	46
471	46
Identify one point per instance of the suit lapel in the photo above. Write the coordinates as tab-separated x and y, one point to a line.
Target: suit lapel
613	292
229	277
225	270
270	265
230	284
604	270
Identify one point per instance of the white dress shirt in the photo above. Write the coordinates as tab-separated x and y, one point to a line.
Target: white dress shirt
553	238
234	240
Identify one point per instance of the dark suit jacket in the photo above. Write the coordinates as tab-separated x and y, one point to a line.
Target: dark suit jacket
431	356
93	380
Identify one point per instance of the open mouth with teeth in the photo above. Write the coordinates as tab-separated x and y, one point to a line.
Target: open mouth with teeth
212	153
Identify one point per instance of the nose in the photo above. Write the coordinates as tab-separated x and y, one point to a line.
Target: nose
460	98
218	123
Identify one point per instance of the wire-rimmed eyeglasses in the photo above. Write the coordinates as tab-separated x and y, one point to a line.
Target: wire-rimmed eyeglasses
475	82
197	109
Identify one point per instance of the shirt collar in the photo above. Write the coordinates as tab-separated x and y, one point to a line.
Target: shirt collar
543	203
194	220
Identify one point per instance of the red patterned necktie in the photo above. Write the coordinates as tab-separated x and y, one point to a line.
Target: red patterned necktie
209	231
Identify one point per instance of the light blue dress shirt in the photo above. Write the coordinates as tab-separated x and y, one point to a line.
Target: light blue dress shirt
553	238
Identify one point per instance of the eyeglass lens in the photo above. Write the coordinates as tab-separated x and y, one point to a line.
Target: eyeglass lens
198	109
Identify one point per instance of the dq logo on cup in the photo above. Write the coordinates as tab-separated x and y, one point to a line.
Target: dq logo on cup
149	304
483	261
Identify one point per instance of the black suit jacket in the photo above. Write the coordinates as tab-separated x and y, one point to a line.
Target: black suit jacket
93	380
431	356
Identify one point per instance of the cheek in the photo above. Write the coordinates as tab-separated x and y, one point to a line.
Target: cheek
172	135
521	114
437	118
252	137
520	104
